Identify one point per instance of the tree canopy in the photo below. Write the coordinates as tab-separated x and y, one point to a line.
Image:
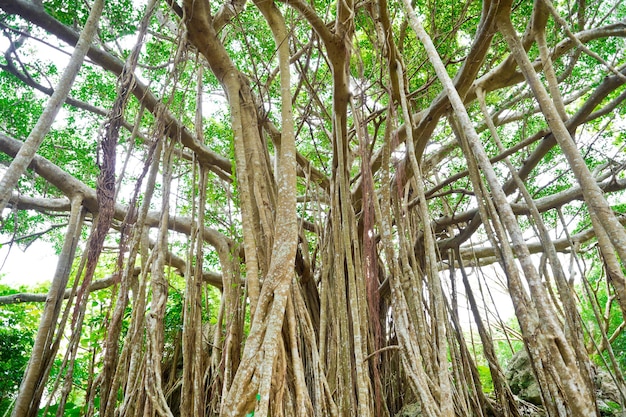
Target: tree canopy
294	208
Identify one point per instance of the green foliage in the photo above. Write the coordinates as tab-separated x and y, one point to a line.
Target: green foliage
15	345
72	143
485	378
70	410
18	325
173	321
95	86
19	108
605	298
73	149
505	345
117	17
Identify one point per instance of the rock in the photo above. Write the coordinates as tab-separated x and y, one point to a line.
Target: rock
410	410
609	408
605	386
519	375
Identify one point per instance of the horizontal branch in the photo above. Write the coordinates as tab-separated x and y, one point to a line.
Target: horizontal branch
585	114
42	297
505	74
36	14
543	204
561	245
71	187
211	278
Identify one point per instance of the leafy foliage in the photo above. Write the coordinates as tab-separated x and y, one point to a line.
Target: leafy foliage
18	324
347	303
611	318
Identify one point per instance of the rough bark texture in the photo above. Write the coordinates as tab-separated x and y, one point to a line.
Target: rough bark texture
371	160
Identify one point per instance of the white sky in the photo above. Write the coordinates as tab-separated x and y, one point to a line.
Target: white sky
34	266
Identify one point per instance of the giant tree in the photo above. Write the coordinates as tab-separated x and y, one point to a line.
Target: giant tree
326	183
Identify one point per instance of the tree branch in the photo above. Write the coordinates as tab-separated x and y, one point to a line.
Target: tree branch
37	15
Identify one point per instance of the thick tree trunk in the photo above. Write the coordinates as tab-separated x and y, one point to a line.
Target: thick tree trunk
43	349
343	298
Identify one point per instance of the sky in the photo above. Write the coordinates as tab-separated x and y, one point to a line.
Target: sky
34	266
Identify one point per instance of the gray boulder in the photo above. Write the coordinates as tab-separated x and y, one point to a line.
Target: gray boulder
520	377
410	410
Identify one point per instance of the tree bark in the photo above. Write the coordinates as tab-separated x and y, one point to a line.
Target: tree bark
38	134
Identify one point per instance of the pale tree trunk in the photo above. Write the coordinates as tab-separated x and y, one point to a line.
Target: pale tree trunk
346	284
153	385
37	135
525	309
125	373
573	324
347	306
577	395
263	354
411	340
192	391
253	172
43	348
270	244
439	318
611	234
591	191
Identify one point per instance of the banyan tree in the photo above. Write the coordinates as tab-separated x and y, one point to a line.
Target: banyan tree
302	208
